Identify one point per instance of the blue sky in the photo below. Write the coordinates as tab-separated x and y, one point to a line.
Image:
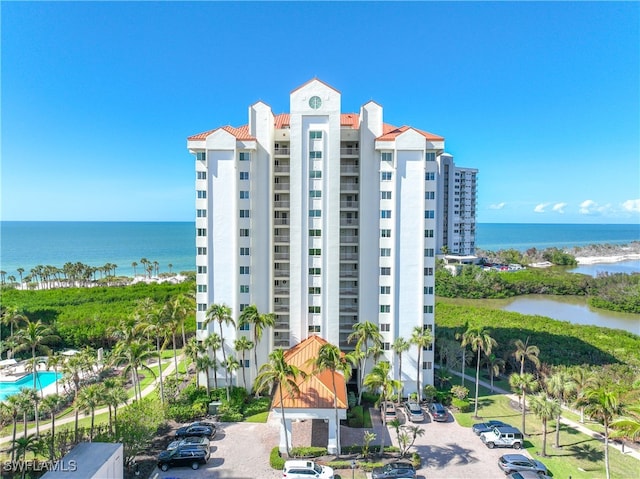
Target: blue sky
98	98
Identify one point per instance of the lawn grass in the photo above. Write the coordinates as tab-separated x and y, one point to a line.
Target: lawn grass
260	417
580	456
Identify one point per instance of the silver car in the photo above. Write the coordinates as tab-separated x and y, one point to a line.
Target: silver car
414	412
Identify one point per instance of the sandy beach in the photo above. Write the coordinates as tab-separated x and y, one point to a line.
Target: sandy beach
607	259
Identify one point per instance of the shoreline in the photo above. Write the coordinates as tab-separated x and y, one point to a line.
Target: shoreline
617	258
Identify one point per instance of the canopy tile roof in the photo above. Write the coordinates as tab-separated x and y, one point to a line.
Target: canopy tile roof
316	390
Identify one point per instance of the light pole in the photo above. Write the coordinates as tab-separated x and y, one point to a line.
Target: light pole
353	469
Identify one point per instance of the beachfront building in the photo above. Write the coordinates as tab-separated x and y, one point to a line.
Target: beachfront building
326	219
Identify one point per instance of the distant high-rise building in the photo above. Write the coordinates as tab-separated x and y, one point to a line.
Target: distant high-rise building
326	219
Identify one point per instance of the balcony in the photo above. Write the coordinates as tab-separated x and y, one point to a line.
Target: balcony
281	186
281	221
284	256
350	151
352	291
281	307
349	186
282	151
348	273
349	169
281	325
348	239
281	239
281	291
348	308
281	169
349	256
349	221
281	204
281	273
349	204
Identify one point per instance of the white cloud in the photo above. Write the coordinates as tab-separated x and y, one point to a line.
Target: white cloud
590	207
559	207
497	206
632	206
540	208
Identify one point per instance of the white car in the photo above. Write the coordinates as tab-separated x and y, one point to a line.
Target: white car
413	411
305	470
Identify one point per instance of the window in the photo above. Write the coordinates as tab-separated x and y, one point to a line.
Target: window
386	346
314	271
201	232
429	176
315	174
385	251
244	213
314	309
245	363
428	271
202	270
245	156
242	307
429	195
314	328
244	251
315	194
244	270
244	175
202	194
315	233
315	213
429	214
244	232
201	213
429	252
315	251
385	233
386	176
431	156
201	175
315	155
385	213
385	308
385	289
426	365
386	156
199	325
428	290
244	195
428	233
427	309
244	288
201	250
201	155
315	135
385	271
202	307
202	288
385	195
385	327
314	289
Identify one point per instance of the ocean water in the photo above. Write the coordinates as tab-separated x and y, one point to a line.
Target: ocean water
26	244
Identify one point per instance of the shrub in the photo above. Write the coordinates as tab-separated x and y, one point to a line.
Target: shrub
256	406
369	398
355	417
229	413
275	460
460	392
352	400
416	460
308	451
370	466
462	405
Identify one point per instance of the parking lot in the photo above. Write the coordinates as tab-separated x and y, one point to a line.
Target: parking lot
241	451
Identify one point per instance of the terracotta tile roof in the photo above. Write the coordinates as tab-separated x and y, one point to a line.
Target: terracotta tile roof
390	132
350	119
241	133
316	391
282	120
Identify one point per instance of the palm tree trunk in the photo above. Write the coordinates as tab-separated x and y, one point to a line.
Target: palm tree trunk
13	436
284	423
557	444
335	408
244	375
93	416
160	370
475	409
175	354
224	358
606	447
464	353
544	438
384	424
418	365
53	435
524	409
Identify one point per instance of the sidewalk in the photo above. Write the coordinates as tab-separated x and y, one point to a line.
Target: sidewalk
170	368
568	422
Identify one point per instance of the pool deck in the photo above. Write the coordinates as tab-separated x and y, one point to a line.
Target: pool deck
14	373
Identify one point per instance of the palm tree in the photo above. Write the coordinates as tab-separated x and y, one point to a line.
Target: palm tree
114	394
422	339
378	380
52	403
628	425
545	409
25	402
177	312
494	366
277	370
154	323
54	361
251	316
221	313
89	399
601	402
400	346
20	272
559	385
460	336
35	336
12	318
25	444
362	334
583	380
523	383
232	365
214	342
480	341
524	351
203	364
134	265
13	405
134	356
242	345
331	359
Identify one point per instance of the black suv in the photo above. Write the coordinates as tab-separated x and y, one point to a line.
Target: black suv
394	470
196	430
183	456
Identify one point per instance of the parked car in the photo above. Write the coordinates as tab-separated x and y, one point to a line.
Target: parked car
192	430
194	441
183	456
203	423
395	470
413	411
388	410
305	470
438	412
502	436
527	475
481	427
518	462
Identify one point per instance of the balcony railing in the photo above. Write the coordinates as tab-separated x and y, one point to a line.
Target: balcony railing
280	290
282	151
349	204
348	308
281	168
349	169
348	239
281	273
349	273
349	186
350	151
349	256
281	221
282	204
348	221
282	186
281	256
349	291
281	239
281	325
281	307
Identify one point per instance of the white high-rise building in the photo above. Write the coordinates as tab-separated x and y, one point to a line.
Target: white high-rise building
324	218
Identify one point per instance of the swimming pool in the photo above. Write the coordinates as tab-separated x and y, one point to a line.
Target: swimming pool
45	378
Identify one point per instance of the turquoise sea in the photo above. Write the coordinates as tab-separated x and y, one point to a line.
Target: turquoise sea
26	244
